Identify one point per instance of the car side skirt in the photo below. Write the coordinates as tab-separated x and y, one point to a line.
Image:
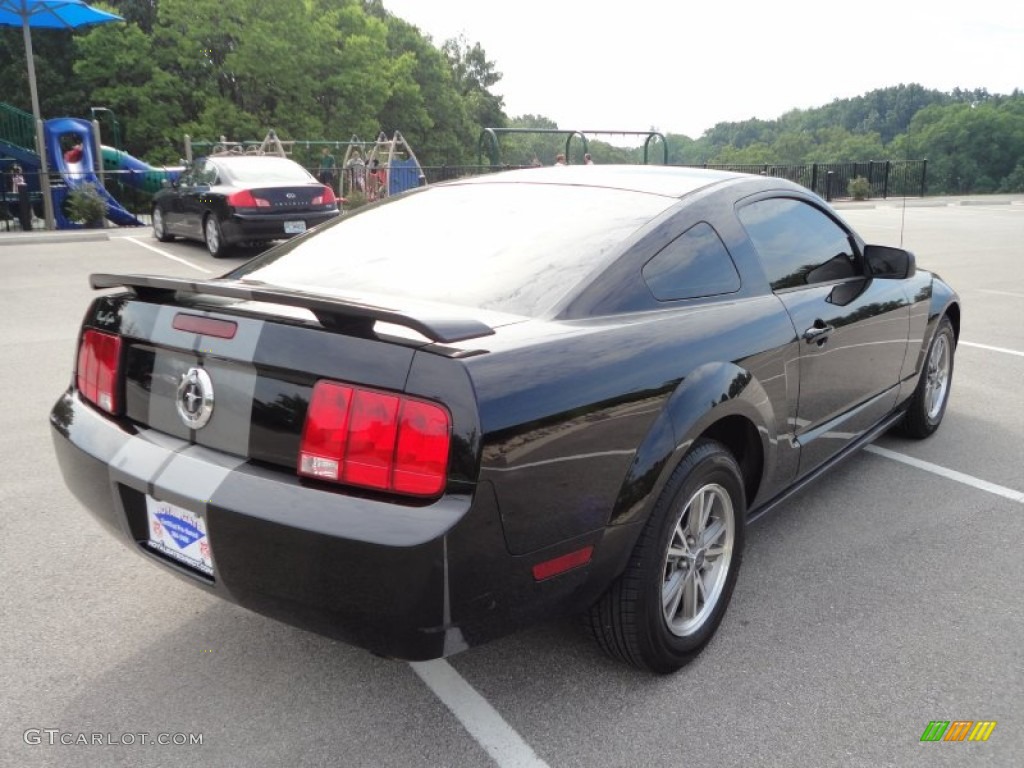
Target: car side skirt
868	437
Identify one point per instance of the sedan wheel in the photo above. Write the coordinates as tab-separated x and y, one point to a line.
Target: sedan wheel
667	604
160	226
928	405
214	238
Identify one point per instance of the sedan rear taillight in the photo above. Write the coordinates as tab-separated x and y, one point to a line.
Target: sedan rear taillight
96	374
246	199
375	439
325	198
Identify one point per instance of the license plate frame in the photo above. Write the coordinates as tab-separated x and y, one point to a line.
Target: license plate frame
180	534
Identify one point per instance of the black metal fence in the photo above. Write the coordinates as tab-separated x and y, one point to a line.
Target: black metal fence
21	204
886	178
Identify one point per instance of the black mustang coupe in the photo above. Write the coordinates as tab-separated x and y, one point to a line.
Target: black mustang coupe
226	200
502	399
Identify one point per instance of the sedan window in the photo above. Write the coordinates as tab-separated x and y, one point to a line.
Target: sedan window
799	245
204	173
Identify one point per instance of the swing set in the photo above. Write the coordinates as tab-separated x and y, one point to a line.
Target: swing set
374	169
489	144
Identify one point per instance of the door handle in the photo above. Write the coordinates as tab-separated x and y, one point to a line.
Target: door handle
818	332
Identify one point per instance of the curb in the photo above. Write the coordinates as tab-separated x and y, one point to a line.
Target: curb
28	238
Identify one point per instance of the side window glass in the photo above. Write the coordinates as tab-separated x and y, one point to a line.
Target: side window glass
205	173
798	244
695	264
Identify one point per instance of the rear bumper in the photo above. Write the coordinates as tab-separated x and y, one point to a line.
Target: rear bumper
360	570
240	227
417	582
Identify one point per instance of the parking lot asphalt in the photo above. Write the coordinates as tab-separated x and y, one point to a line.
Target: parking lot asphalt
879	599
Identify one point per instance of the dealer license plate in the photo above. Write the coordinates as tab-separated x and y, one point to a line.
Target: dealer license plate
179	534
294	227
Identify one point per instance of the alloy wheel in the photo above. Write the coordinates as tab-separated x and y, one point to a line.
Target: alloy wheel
697	559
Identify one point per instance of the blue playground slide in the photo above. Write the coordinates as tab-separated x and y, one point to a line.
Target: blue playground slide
79	171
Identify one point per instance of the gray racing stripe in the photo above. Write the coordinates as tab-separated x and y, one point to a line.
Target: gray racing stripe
142	457
229	363
234	386
168	369
193	475
234	383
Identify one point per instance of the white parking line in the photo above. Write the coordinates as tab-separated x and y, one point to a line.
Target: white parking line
164	253
485	725
1004	350
950	474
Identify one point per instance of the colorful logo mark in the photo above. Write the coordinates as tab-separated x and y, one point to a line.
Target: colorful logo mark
958	730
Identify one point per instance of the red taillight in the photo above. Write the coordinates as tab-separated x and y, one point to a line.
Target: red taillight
326	198
246	199
375	440
96	377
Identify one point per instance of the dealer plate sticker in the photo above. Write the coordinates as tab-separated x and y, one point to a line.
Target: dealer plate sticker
179	534
294	227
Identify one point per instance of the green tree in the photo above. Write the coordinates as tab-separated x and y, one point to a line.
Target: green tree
474	76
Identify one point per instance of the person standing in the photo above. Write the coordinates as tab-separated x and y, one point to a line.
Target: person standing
328	168
587	159
19	187
17	179
357	172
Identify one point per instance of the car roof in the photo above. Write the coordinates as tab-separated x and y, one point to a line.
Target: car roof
670	181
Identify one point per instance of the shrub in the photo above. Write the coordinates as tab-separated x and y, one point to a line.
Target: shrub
859	188
86	206
354	199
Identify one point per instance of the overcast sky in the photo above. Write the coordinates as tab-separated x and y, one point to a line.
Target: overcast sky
681	67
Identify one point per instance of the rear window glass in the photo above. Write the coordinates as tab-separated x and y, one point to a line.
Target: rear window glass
515	248
265	170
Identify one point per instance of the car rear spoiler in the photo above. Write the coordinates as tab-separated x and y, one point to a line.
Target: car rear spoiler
332	312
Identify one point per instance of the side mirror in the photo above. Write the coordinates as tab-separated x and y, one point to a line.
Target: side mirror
889	263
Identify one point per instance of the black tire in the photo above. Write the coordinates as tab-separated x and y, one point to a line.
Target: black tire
630	621
213	236
160	226
928	403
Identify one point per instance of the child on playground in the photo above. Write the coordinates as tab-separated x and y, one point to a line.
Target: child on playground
74	155
378	180
357	172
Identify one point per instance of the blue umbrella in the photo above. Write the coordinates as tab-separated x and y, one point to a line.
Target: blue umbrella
47	14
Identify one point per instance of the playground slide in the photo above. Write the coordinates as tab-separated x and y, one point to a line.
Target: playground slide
77	171
136	173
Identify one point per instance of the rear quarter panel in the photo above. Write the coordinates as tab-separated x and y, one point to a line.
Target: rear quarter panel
579	421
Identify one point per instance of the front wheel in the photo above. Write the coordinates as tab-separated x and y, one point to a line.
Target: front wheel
214	238
665	607
928	404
